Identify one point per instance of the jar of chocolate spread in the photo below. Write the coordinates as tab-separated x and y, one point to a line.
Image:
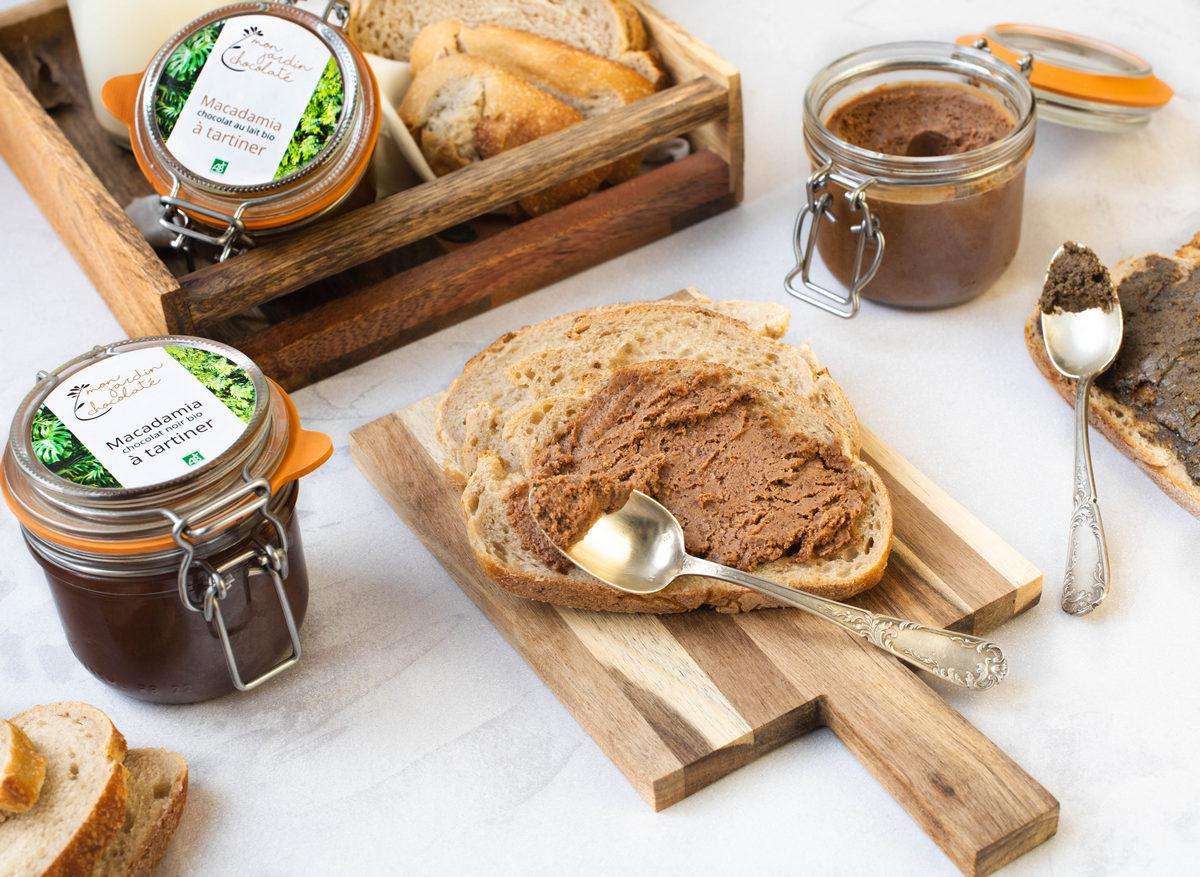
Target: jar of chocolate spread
919	152
251	121
155	482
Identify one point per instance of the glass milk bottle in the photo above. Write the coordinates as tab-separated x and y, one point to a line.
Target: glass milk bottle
117	36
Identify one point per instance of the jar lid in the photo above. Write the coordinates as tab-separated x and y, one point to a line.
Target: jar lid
251	99
105	443
1079	81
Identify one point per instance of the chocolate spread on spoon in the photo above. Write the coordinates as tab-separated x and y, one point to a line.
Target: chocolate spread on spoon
1077	280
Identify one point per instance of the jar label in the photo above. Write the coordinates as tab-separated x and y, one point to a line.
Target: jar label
248	99
143	417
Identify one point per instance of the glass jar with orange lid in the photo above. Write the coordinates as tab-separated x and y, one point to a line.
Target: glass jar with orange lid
155	482
252	120
923	146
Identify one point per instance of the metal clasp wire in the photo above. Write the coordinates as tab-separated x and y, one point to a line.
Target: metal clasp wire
1024	63
234	240
815	209
268	559
337	13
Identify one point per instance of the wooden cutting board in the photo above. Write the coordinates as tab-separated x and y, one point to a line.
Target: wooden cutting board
679	701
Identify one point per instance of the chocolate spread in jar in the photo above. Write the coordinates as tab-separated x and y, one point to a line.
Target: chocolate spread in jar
1077	281
1157	372
703	444
946	243
921	119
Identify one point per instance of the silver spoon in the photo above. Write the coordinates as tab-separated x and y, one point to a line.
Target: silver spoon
639	548
1081	345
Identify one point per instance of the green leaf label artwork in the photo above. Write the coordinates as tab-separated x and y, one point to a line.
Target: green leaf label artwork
143	417
248	100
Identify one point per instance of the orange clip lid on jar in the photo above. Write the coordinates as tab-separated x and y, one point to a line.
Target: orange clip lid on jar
155	482
254	119
919	151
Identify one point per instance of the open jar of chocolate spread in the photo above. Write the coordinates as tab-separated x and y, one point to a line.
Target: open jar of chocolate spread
155	482
921	145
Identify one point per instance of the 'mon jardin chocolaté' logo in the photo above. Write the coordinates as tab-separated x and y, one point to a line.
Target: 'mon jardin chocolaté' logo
252	52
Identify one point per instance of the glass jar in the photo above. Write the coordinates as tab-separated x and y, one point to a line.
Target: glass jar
253	119
951	222
155	484
115	36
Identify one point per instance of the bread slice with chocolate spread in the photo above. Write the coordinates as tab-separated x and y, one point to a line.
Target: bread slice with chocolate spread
563	355
1137	437
858	531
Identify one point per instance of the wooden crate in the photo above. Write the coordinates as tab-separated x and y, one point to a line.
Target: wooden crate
369	280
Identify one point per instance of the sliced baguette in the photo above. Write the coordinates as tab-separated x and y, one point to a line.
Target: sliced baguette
560	355
589	83
22	771
158	782
500	551
608	28
82	803
1120	423
461	109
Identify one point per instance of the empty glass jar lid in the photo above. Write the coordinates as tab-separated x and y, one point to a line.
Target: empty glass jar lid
1079	81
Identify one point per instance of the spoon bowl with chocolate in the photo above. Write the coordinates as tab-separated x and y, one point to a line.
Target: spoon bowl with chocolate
639	548
1082	327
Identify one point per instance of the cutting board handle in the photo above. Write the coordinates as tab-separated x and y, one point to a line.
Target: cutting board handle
976	803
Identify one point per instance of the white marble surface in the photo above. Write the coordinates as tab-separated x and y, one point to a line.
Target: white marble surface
413	738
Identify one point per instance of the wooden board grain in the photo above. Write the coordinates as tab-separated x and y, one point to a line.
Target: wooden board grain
679	701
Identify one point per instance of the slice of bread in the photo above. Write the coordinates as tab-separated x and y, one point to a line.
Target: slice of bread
559	356
158	782
461	109
608	28
82	803
499	548
589	83
22	771
1120	423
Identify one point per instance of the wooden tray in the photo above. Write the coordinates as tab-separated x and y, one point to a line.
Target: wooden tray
351	287
679	701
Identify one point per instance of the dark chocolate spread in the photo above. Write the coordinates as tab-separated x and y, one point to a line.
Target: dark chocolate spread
703	444
1157	372
1077	280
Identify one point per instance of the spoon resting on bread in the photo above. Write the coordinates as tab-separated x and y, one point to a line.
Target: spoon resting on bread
639	548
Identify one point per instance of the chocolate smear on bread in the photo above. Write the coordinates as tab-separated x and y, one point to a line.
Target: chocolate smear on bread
1157	372
745	490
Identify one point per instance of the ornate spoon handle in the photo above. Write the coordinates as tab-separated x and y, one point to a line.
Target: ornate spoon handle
957	657
1085	584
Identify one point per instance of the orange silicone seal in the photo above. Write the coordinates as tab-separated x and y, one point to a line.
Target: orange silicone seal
1141	91
306	451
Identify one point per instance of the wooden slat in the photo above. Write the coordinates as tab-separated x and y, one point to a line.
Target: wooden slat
122	266
974	801
526	257
701	694
264	273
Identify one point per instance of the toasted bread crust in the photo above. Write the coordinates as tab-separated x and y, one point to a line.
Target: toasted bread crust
1118	422
24	772
510	113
